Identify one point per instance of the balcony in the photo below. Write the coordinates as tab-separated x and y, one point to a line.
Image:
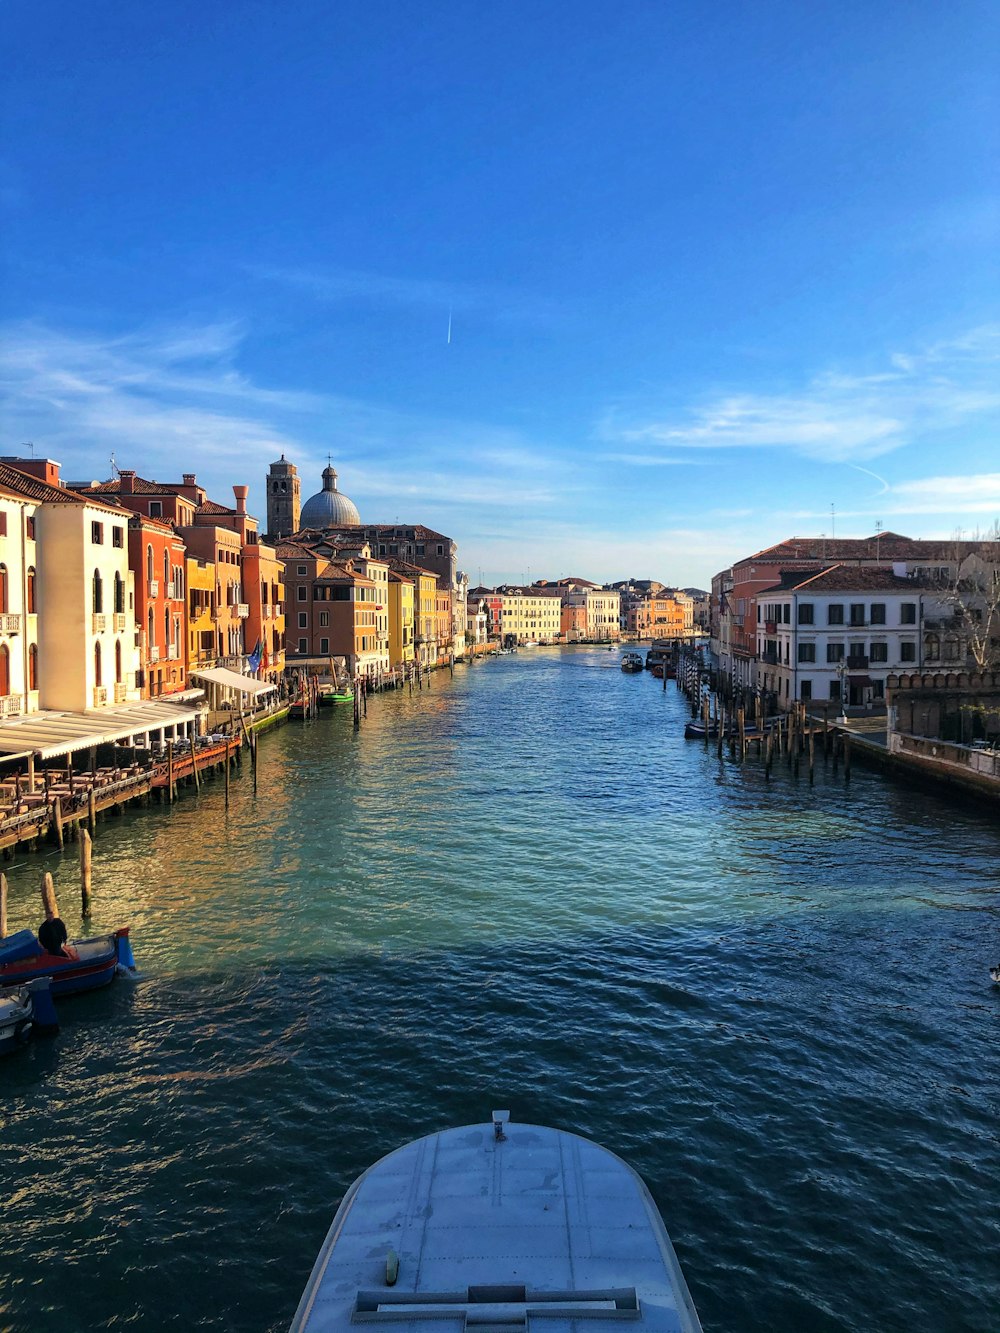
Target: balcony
99	623
100	695
121	692
119	623
154	588
173	652
770	627
10	705
857	662
242	610
154	653
769	657
10	624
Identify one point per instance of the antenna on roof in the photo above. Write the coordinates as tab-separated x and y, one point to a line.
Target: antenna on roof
878	534
114	466
29	444
833	523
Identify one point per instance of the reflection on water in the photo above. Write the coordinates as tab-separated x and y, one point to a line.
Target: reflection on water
521	887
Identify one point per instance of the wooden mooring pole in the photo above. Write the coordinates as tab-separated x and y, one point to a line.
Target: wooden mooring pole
58	821
194	766
3	906
92	811
170	770
86	878
228	775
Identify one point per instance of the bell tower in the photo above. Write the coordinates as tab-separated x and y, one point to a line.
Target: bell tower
284	501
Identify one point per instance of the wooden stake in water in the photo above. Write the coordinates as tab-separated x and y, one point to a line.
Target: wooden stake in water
228	775
86	880
194	766
57	816
170	770
92	812
3	906
49	903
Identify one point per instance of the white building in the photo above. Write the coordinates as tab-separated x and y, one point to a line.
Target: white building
529	616
833	637
602	607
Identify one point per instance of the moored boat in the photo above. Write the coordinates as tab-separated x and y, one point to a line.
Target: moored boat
632	662
98	961
496	1225
25	1010
343	695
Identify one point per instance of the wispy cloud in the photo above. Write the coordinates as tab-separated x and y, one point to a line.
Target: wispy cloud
837	416
356	287
173	397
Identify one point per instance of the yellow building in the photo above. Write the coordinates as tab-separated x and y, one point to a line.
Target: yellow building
425	616
401	618
528	615
201	647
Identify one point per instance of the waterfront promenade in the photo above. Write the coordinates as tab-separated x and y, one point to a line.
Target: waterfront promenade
521	887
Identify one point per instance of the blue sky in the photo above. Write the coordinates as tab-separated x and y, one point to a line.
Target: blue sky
716	274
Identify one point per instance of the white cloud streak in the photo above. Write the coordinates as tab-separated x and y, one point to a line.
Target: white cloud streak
838	417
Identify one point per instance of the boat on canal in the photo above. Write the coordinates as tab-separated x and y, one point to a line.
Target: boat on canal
98	961
336	695
632	662
495	1226
25	1010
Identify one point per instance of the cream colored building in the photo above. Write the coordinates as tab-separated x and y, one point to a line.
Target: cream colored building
602	613
87	654
529	616
18	591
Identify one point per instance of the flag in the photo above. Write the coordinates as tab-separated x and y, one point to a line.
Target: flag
253	661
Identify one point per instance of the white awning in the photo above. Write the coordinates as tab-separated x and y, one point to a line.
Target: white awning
232	680
48	733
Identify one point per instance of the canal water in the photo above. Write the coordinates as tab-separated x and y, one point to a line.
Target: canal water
522	888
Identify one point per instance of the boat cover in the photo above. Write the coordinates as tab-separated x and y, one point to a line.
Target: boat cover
470	1232
22	944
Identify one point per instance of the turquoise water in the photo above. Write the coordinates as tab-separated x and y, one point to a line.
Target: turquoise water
522	888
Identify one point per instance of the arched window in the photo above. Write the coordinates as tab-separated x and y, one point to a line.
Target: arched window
97	664
31	591
3	591
118	661
119	594
4	670
150	636
149	564
166	630
33	667
166	571
932	648
98	593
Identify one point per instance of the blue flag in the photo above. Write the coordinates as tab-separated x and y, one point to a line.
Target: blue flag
254	660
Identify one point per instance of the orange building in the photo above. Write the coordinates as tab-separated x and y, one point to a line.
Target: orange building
333	611
264	593
157	559
201	641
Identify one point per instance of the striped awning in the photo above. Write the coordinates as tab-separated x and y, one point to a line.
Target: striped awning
48	733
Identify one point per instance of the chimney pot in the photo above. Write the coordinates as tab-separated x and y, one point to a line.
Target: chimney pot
241	493
189	479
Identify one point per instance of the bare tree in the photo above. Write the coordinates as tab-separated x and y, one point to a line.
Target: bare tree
972	595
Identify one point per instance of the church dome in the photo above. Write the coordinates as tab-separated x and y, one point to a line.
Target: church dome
328	508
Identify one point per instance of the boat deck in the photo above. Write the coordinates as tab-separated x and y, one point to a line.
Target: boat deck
492	1235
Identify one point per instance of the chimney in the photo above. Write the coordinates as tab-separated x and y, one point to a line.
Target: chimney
42	468
127	478
241	493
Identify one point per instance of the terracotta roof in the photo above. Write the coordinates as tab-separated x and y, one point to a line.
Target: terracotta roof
847	578
31	488
212	507
147	521
140	486
406	567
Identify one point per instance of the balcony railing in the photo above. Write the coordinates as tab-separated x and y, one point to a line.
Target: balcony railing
857	661
121	692
154	653
154	587
173	652
242	610
119	622
10	623
100	623
100	695
10	704
769	658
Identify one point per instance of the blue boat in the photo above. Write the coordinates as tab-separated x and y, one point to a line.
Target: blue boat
25	1010
98	961
494	1227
